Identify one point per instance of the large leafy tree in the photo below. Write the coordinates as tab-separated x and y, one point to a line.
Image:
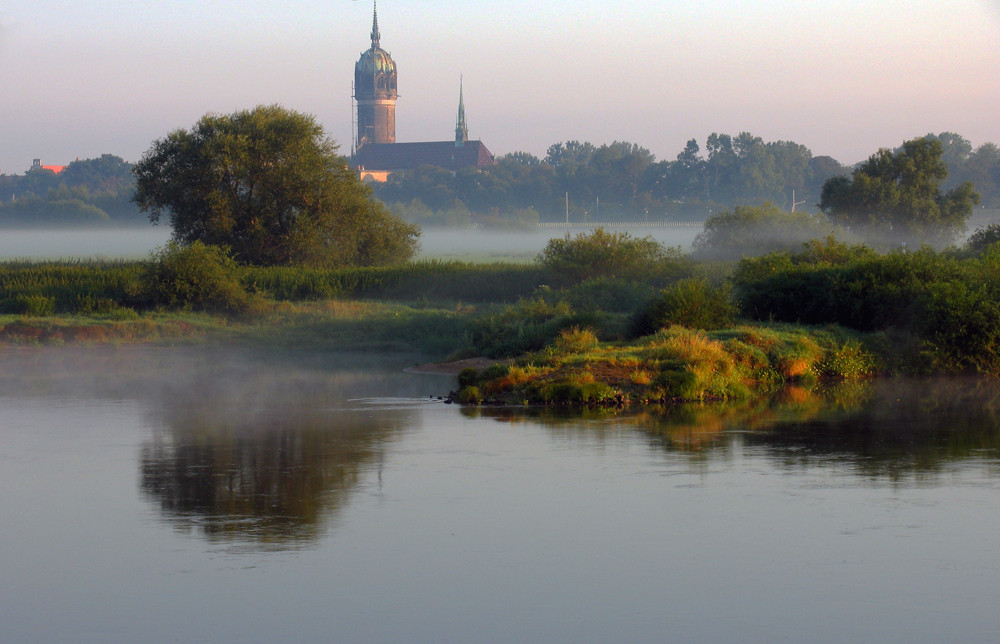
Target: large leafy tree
899	193
268	184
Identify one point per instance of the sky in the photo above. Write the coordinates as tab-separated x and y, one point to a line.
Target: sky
842	77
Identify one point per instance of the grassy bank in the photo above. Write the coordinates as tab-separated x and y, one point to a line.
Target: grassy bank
598	319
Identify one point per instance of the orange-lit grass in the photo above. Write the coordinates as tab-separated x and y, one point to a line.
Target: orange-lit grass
677	364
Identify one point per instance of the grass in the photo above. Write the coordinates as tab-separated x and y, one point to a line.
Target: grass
673	365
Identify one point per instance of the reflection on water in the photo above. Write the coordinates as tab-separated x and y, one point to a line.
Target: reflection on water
327	497
885	428
263	478
249	448
264	454
908	429
269	461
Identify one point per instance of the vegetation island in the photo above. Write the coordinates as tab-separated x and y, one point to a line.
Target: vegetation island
277	242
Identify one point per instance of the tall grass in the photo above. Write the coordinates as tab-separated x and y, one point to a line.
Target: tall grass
67	287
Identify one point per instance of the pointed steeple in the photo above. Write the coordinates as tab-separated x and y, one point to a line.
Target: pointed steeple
461	127
375	34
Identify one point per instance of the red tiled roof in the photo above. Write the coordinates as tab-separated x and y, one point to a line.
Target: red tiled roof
405	156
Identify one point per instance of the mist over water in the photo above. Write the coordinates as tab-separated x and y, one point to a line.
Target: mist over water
435	243
491	245
98	243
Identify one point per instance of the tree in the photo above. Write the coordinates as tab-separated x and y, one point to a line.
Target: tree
268	184
520	158
899	193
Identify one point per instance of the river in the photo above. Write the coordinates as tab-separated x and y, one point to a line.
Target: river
179	494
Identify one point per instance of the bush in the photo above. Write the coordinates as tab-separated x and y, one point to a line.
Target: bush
197	276
610	255
692	303
470	395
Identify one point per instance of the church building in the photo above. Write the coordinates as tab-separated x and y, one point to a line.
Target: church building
377	155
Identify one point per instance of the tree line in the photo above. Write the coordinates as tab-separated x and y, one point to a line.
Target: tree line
623	181
88	192
620	181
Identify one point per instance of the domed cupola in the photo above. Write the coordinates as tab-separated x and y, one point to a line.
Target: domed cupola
375	92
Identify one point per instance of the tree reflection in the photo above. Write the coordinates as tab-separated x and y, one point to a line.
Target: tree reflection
910	427
265	483
889	428
264	458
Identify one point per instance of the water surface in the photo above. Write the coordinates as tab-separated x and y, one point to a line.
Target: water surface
197	494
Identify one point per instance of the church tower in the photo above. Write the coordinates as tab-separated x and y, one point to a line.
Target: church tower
461	127
375	92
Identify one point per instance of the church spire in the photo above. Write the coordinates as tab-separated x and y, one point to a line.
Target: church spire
461	127
375	34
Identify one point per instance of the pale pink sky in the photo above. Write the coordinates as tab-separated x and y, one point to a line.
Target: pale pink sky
843	77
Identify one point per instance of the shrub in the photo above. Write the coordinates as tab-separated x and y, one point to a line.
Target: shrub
470	395
610	255
197	276
692	303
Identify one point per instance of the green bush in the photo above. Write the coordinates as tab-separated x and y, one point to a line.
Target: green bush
570	260
691	303
470	395
494	371
197	276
